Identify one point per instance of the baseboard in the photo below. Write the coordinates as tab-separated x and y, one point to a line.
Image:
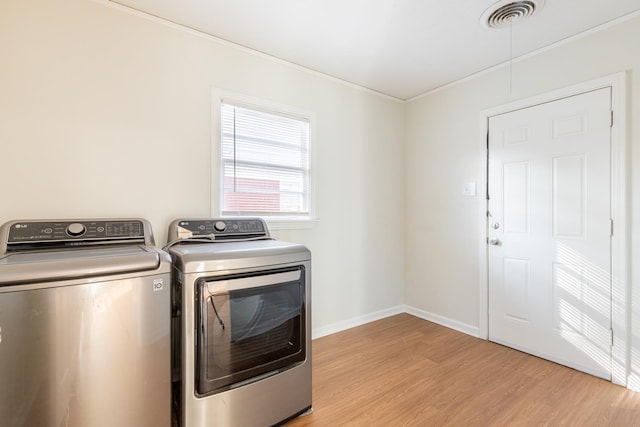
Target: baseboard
355	321
465	328
633	382
361	320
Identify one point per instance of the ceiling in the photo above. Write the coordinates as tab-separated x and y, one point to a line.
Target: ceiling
401	48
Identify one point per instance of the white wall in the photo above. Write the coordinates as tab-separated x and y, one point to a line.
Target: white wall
104	113
444	150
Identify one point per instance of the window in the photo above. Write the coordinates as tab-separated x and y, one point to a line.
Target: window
265	161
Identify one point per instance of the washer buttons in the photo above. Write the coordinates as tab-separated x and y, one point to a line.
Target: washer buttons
76	229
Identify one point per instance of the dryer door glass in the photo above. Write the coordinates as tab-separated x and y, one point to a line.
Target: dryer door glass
250	326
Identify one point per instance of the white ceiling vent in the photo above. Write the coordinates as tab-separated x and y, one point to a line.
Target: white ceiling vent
505	12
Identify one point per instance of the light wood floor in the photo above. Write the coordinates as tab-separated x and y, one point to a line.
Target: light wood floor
405	371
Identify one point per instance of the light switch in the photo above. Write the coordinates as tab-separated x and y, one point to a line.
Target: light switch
469	189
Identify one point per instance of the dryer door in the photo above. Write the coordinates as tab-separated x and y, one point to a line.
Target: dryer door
250	326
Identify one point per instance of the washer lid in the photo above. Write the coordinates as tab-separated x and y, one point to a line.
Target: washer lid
44	266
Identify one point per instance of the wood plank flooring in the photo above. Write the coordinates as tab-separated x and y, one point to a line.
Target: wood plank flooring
405	371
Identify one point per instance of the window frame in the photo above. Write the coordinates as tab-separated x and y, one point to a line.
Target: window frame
217	163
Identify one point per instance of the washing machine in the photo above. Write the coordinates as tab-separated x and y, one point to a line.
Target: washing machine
84	324
241	324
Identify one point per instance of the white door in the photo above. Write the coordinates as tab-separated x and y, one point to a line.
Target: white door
549	231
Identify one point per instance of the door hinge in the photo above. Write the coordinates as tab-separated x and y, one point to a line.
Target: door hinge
611	337
610	228
611	121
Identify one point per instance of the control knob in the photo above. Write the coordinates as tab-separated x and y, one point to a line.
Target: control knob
220	226
76	229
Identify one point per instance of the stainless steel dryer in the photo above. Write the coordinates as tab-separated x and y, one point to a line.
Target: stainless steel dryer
84	324
242	324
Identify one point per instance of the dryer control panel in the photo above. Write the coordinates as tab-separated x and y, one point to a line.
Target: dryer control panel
218	228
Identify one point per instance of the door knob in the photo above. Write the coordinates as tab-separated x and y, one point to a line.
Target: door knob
495	242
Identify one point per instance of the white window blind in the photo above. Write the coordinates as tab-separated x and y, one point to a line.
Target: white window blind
265	163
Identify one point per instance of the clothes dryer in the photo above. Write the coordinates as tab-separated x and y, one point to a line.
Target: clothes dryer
242	324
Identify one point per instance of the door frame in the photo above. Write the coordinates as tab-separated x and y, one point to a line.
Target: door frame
620	302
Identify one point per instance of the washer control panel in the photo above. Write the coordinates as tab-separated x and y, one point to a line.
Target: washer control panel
61	231
221	228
